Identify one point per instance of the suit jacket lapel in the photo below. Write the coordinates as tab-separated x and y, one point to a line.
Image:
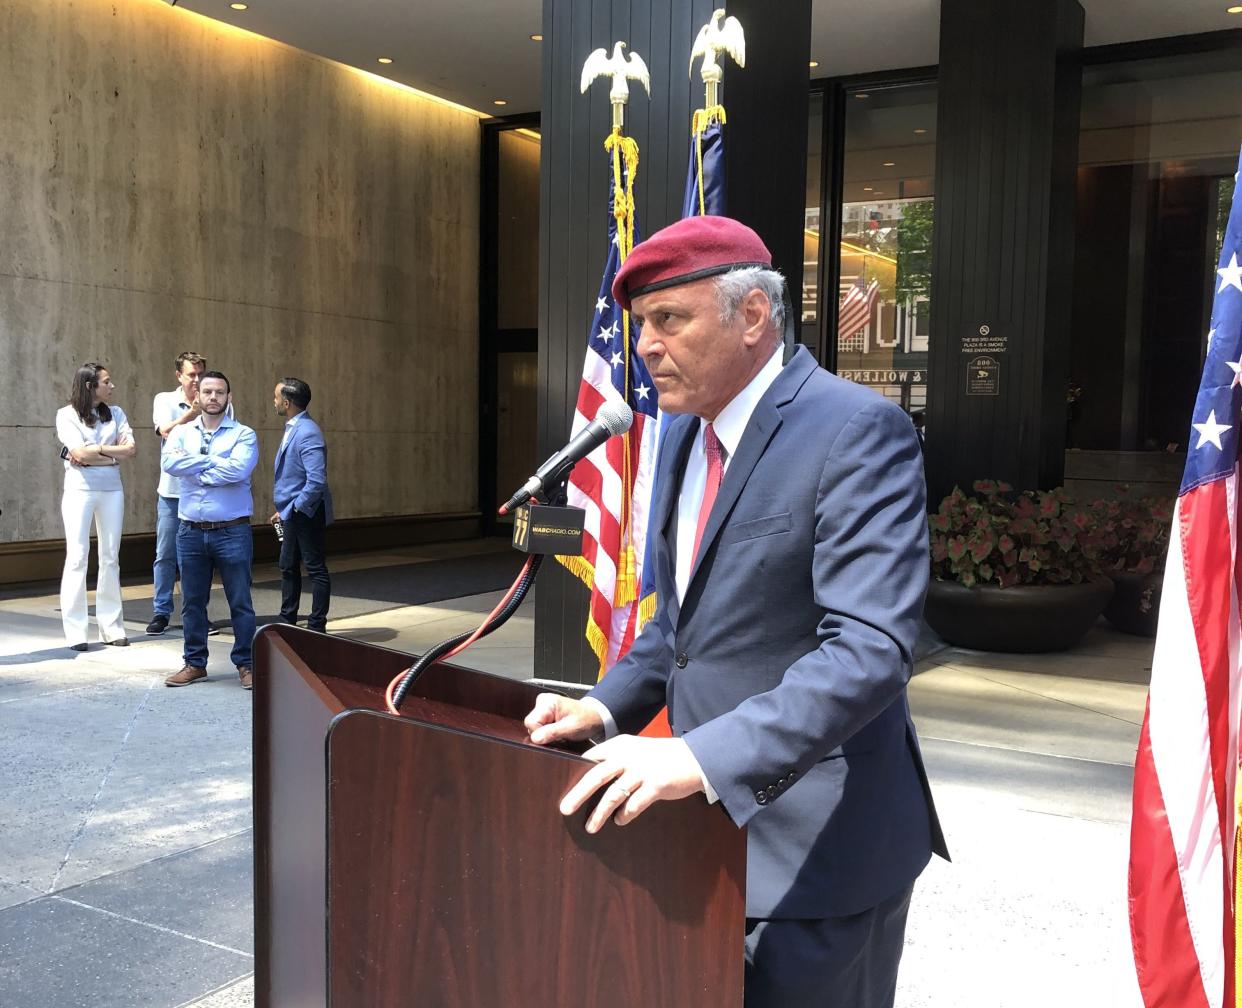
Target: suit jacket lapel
284	443
674	451
763	424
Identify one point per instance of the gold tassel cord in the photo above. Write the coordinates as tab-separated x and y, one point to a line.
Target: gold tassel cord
624	152
699	121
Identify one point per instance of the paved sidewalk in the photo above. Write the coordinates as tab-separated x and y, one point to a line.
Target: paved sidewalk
125	821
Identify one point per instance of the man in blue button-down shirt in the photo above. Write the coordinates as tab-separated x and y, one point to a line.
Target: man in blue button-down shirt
213	457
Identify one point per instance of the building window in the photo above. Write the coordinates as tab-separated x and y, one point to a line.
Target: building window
1158	149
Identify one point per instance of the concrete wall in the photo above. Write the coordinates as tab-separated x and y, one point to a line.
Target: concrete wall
168	183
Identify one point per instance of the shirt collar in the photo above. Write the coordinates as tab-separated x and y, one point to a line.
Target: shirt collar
730	423
226	421
294	419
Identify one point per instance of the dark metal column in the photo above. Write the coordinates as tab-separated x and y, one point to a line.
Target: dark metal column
767	110
1006	156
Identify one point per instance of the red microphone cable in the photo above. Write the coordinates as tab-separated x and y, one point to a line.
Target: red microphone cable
456	645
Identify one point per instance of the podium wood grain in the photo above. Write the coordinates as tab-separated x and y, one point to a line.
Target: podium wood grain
420	859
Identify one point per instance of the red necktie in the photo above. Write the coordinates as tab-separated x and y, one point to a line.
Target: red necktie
715	472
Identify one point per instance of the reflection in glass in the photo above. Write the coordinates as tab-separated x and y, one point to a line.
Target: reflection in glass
886	241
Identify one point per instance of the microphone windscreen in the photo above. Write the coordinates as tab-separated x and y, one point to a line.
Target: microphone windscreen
616	417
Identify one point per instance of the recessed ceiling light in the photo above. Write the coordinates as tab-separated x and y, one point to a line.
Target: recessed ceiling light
1233	10
239	6
499	101
862	94
920	130
536	38
813	64
889	164
384	59
867	188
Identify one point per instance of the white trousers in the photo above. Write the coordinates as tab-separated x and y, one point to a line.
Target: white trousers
107	509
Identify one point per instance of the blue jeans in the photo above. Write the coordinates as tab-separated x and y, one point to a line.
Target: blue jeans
200	553
166	524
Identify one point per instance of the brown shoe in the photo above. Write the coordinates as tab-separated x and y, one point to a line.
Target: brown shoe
188	674
245	677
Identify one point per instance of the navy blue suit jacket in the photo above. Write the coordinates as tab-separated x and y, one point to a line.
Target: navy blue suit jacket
302	471
785	666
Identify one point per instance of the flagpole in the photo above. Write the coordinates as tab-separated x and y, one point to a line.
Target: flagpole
719	35
609	566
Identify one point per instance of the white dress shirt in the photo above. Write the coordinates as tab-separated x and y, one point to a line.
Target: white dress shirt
729	425
289	428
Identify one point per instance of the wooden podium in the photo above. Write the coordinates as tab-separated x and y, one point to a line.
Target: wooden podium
420	860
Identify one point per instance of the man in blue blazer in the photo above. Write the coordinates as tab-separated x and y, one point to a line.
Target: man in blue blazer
303	504
791	562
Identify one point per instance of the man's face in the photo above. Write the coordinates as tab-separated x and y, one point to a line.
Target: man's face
188	378
280	402
697	362
213	396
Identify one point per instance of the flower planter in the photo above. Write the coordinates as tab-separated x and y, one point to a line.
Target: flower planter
1135	605
1024	618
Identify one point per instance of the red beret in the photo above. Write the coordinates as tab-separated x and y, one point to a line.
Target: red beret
691	249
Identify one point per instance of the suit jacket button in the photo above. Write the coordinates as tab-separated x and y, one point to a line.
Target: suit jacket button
682	660
773	791
761	797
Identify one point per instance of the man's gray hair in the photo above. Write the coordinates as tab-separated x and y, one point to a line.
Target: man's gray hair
732	288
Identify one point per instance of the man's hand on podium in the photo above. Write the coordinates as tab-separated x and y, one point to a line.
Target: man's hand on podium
561	719
638	773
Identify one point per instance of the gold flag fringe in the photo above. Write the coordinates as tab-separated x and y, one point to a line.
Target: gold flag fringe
699	122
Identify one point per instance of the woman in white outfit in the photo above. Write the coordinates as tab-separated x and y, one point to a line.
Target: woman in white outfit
96	436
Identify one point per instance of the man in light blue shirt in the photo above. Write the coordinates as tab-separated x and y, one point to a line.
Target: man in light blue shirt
170	410
213	457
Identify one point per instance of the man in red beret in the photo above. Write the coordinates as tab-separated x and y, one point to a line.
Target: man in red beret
791	564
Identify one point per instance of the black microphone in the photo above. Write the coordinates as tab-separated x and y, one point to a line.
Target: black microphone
612	419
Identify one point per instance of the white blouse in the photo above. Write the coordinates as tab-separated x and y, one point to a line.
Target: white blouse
74	433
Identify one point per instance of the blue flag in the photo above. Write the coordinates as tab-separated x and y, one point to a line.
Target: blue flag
705	194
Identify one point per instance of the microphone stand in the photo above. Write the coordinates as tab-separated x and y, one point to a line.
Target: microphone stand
521	589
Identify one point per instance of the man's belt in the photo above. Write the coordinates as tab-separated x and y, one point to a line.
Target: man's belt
211	526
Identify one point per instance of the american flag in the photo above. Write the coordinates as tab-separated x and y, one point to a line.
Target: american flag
856	308
613	483
1184	828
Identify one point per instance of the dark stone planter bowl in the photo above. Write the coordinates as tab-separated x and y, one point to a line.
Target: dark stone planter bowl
1132	594
1024	618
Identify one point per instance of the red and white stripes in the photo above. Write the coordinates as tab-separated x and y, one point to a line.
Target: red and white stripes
1184	822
